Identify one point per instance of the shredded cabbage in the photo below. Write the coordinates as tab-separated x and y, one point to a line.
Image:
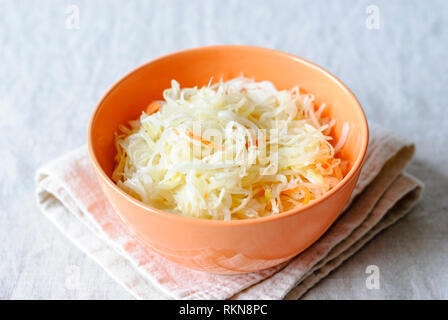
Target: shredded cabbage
232	150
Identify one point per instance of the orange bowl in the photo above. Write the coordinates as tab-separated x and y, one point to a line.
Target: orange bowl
226	246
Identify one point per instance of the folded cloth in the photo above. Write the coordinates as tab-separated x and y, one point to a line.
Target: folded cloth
70	196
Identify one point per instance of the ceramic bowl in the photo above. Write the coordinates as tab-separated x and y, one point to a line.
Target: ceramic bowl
226	246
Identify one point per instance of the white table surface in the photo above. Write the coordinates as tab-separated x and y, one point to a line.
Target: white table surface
51	78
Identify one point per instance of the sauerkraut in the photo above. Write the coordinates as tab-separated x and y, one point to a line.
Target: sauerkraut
231	150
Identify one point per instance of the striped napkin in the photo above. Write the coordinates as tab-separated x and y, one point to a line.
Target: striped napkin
69	195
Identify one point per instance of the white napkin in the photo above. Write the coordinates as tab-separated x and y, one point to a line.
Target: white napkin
70	196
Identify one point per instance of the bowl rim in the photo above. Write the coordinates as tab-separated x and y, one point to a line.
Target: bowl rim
191	220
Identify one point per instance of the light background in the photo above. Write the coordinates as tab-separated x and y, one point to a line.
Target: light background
51	78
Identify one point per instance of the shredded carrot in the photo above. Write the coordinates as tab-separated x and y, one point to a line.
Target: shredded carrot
307	196
201	139
338	172
153	107
290	190
306	191
259	192
325	165
254	141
